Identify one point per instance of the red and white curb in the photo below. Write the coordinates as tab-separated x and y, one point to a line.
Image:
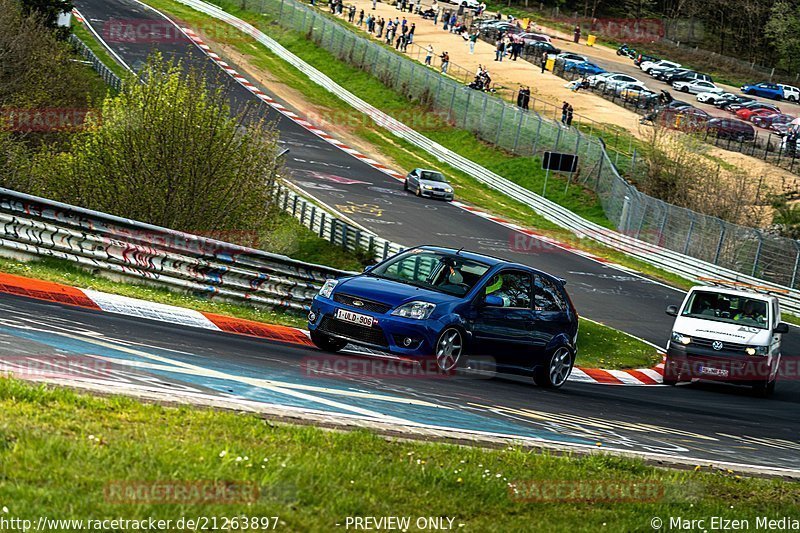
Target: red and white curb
136	308
244	82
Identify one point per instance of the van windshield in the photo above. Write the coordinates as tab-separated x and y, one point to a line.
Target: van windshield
730	308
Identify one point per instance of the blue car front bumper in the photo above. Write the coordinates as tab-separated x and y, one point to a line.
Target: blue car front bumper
398	335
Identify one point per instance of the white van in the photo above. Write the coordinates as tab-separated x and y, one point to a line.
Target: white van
790	93
726	334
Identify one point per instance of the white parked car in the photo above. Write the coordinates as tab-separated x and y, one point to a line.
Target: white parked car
712	97
612	81
618	87
696	87
790	93
648	66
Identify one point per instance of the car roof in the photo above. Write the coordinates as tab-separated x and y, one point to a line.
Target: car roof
490	260
734	292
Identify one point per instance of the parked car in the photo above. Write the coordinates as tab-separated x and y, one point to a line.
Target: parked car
528	37
748	112
731	103
641	96
696	87
429	183
683	118
727	128
611	81
764	90
752	104
644	58
537	48
584	68
447	305
625	85
790	92
771	122
714	97
650	66
664	74
569	56
688	76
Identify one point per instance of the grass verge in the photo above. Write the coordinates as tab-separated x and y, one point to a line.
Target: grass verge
69	455
517	169
99	50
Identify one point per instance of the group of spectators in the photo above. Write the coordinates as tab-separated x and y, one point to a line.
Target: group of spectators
508	45
524	97
567	113
401	33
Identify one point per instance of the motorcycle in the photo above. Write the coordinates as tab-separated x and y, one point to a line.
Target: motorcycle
626	50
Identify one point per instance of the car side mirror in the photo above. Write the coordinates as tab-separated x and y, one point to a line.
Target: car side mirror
782	327
672	310
368	268
493	301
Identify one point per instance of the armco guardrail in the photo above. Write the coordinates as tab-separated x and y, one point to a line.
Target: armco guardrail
102	69
40	227
629	216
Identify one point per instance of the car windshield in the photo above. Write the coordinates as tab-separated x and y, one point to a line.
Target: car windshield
433	176
730	308
442	272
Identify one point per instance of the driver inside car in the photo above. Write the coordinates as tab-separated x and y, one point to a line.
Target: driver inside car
750	313
493	288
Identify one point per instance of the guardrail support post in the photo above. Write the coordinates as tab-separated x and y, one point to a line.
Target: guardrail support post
385	249
322	225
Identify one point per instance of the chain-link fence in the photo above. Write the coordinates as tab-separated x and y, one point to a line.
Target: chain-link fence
527	133
106	73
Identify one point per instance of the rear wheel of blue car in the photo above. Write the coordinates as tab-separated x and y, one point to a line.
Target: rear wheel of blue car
554	373
326	343
449	350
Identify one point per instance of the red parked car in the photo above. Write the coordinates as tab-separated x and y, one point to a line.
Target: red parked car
749	113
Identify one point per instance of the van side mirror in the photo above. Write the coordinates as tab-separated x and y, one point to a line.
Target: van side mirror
672	310
782	327
493	301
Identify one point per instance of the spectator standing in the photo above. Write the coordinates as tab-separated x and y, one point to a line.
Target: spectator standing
544	62
520	95
379	28
374	4
570	112
411	6
473	38
446	19
453	19
445	62
564	109
352	15
437	10
527	98
411	31
576	35
499	49
481	8
361	18
428	54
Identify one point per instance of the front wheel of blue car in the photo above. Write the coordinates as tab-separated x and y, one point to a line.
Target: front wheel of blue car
327	343
554	373
449	350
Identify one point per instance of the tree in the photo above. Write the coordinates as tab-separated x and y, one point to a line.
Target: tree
783	30
169	152
48	10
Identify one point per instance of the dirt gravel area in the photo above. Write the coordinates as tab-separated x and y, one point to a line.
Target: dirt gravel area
551	89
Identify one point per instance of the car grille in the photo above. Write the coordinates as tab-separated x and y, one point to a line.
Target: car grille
368	305
731	346
373	335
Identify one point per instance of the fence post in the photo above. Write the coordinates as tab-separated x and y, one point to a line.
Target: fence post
721	240
500	125
796	264
758	253
483	112
452	103
689	234
536	139
466	110
519	130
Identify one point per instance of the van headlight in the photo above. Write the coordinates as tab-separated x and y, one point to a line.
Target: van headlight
680	338
416	310
327	288
757	350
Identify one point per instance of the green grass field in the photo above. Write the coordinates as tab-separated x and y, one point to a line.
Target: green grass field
69	455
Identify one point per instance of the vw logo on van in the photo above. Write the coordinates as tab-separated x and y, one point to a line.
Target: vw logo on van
717	345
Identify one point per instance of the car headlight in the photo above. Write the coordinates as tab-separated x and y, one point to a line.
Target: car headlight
427	187
681	338
327	288
757	350
416	310
448	189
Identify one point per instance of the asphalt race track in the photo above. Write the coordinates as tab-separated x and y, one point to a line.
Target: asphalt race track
698	420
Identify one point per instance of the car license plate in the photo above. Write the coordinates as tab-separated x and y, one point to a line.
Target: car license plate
711	371
355	318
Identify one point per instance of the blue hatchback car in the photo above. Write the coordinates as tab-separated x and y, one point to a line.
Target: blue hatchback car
450	305
584	68
765	90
